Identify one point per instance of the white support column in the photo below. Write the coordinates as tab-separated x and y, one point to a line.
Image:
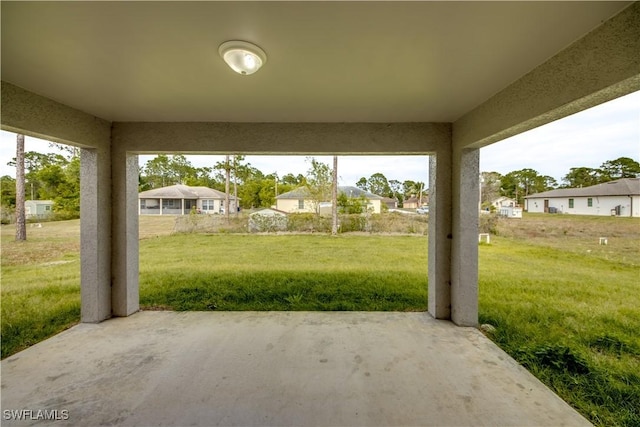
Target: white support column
125	266
95	235
439	264
464	249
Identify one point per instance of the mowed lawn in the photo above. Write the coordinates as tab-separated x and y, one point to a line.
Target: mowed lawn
299	272
565	307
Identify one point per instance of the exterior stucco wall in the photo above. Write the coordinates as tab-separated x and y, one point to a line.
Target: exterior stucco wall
291	206
218	206
34	115
377	206
601	206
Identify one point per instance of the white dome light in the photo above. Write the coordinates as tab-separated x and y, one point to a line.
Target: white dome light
243	57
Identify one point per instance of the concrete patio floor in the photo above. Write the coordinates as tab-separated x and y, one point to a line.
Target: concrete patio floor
276	368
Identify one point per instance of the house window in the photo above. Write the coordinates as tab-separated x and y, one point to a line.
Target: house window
207	205
570	203
172	203
47	208
300	204
590	202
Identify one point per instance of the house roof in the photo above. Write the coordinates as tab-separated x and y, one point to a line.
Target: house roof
303	192
358	192
502	198
620	187
180	191
297	193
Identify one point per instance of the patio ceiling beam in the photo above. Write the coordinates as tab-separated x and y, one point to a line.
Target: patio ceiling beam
601	66
34	115
282	138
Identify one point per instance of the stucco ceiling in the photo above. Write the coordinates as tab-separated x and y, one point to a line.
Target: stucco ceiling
327	61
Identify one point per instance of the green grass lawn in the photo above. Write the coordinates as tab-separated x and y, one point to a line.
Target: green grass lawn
565	307
302	272
572	319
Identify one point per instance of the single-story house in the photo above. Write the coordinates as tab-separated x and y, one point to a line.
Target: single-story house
299	200
616	198
415	202
503	202
411	203
38	209
181	199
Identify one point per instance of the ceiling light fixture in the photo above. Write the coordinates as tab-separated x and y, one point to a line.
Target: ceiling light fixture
243	57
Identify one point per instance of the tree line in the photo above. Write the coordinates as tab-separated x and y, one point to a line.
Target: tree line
49	176
521	183
57	177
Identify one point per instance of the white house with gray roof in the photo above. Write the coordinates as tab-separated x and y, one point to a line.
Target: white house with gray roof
181	199
614	198
299	200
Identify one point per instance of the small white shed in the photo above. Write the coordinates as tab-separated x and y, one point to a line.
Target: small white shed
268	220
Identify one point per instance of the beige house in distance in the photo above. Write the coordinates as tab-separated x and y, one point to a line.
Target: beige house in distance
299	200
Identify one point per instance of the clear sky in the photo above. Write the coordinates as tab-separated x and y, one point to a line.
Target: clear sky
589	138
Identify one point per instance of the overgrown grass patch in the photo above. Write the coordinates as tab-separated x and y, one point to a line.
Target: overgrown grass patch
572	319
285	290
38	303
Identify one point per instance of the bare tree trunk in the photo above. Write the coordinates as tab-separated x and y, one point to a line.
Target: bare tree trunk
235	185
21	225
227	170
334	197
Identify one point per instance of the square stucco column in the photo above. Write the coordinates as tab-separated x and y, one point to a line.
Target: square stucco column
95	235
125	293
464	249
439	264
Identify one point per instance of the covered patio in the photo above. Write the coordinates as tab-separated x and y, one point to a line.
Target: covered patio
278	369
119	79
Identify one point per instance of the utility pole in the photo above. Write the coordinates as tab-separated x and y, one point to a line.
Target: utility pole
21	223
480	195
276	180
235	185
227	170
334	197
